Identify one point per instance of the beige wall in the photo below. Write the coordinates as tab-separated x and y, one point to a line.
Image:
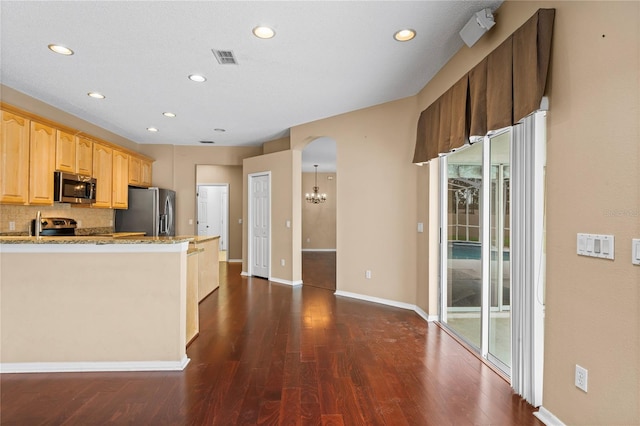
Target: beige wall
593	152
376	197
285	170
282	144
231	175
175	168
121	307
319	220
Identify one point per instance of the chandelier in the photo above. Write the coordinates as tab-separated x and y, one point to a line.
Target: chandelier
315	197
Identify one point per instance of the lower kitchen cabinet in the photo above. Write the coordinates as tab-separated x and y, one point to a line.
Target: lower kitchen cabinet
193	318
208	264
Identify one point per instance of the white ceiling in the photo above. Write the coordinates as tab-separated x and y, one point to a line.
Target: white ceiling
327	58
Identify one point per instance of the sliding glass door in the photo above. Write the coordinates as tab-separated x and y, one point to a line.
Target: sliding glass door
475	269
499	325
462	298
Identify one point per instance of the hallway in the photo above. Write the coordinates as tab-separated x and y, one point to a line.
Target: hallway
272	354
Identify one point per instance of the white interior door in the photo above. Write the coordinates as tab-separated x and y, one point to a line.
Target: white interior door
213	212
259	214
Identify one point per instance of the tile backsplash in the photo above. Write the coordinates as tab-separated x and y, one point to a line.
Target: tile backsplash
22	216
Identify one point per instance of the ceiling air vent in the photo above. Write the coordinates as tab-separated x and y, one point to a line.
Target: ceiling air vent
224	57
207	142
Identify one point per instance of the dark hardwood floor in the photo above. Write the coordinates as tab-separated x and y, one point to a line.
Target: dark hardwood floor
271	354
319	269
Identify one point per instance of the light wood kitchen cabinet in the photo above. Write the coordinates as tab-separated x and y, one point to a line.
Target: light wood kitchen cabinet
134	170
65	152
208	264
33	147
139	171
145	173
14	159
42	156
120	190
102	172
84	156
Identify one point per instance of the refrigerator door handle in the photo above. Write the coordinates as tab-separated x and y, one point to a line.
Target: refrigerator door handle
161	225
168	216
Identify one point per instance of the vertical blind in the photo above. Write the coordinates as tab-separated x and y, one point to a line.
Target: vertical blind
503	88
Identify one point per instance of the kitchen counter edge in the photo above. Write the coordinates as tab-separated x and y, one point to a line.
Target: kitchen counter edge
94	240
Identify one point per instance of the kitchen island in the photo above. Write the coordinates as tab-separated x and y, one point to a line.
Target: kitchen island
93	303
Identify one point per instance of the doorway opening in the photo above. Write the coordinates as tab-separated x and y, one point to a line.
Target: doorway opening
319	239
213	214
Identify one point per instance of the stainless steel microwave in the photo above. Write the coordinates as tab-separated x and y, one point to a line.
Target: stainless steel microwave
76	189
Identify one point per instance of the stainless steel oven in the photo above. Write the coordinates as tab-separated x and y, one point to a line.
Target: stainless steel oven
54	227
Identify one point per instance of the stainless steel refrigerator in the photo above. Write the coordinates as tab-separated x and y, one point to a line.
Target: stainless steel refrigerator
151	210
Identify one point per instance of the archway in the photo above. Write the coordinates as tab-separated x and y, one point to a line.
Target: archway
319	239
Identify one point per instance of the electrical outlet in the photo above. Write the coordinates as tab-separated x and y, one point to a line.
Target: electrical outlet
367	274
12	226
281	262
582	376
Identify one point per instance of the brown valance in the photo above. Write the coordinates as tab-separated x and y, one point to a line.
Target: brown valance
500	87
478	99
503	88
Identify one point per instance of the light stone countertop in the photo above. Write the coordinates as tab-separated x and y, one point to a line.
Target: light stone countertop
202	238
94	239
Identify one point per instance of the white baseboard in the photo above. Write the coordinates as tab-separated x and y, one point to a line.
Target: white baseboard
286	282
244	274
424	315
388	302
546	417
318	249
234	260
81	367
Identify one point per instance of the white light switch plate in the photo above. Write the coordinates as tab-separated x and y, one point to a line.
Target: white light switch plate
635	251
595	245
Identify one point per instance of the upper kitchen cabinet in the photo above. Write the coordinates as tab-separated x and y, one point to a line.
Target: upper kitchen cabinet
32	148
84	156
102	171
134	170
145	172
139	171
65	152
42	156
120	190
14	159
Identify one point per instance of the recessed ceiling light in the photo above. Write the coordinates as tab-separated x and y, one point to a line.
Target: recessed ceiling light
263	32
197	78
219	130
152	129
96	95
168	114
60	49
404	35
207	142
